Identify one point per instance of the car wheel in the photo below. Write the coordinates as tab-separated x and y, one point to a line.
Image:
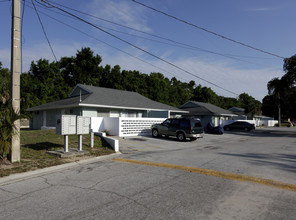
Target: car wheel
155	133
246	129
181	136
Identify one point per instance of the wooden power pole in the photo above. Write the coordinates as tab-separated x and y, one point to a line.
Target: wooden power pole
15	75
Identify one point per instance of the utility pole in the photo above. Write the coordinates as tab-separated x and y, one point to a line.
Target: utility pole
279	107
15	76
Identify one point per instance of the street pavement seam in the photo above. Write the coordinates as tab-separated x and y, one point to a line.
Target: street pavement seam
220	174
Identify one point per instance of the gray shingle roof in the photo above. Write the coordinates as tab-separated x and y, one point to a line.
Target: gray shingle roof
106	97
64	103
201	108
237	110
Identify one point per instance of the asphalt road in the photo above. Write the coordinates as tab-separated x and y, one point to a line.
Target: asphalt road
165	179
266	152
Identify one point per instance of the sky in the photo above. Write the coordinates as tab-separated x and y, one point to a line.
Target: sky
135	37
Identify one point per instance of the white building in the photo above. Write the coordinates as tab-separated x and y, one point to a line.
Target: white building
94	101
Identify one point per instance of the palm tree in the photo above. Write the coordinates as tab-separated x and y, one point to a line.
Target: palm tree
7	128
290	69
277	88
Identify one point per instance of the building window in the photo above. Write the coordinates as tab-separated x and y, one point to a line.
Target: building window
132	114
101	113
114	114
124	114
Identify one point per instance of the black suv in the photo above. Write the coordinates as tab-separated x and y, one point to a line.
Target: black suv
181	128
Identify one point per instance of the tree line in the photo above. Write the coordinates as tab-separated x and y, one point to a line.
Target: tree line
50	81
281	99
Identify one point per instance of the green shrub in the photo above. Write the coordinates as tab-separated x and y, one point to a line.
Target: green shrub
7	127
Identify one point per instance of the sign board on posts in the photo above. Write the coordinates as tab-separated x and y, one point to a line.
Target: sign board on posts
83	125
66	124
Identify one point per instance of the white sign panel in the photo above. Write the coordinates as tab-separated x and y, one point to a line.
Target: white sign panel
66	124
83	125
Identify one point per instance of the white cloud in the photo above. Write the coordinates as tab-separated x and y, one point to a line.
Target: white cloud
119	12
254	82
41	51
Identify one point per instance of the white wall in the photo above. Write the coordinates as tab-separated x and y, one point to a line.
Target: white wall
269	123
137	126
272	122
114	143
96	124
123	126
112	126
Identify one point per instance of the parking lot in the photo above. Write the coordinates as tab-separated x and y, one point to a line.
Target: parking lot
161	178
266	152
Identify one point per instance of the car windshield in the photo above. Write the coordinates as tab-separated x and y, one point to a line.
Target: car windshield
167	122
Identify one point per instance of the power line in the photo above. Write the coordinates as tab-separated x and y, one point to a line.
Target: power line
176	43
44	31
208	31
145	51
180	45
78	30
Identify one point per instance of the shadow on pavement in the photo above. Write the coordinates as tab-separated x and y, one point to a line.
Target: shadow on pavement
285	162
267	132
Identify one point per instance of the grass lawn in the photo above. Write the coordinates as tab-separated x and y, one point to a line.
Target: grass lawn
36	143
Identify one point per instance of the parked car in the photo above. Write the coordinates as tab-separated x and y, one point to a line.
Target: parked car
240	125
181	128
211	129
285	124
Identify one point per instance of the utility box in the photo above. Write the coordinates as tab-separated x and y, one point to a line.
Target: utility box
83	125
66	124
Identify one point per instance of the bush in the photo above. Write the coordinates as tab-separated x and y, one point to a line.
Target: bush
7	128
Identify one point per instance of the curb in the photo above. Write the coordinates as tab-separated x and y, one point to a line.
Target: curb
36	173
215	173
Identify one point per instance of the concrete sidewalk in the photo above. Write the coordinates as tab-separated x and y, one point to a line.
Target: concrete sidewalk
40	172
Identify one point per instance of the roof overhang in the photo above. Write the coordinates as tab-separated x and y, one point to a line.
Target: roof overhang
102	106
210	114
228	115
126	107
51	108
